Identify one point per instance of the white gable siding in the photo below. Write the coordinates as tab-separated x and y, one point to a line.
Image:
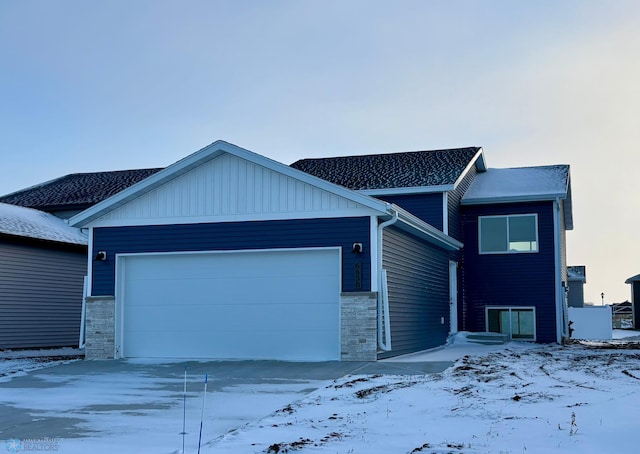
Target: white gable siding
229	188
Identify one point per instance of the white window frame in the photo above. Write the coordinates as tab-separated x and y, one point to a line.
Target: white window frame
481	252
514	308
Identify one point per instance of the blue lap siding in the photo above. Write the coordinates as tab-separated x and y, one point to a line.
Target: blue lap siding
428	207
418	287
237	236
526	279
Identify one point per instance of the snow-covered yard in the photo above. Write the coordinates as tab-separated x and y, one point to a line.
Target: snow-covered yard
518	398
522	399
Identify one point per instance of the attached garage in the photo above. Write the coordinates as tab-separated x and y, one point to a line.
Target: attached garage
229	255
260	304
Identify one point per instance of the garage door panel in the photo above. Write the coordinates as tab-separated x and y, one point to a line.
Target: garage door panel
198	317
259	305
227	265
174	291
253	346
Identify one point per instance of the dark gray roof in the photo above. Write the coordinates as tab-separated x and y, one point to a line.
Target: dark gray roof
577	273
77	190
394	170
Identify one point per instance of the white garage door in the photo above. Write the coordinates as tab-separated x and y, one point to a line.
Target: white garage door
244	305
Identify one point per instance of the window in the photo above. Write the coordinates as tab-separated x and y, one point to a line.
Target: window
518	323
508	234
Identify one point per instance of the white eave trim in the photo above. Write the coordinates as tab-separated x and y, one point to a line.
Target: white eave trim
477	161
513	199
205	154
415	225
408	190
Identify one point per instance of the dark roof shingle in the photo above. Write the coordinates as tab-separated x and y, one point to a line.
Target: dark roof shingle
77	190
393	170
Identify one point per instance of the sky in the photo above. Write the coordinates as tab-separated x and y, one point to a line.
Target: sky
95	86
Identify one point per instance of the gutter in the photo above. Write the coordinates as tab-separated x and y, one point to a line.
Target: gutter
562	316
384	324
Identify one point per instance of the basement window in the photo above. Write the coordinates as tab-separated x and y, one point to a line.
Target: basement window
512	234
519	323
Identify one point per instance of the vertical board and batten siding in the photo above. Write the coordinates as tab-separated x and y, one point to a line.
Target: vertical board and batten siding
40	295
229	236
428	207
510	280
231	187
418	286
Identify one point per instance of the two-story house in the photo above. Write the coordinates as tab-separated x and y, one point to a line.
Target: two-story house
229	254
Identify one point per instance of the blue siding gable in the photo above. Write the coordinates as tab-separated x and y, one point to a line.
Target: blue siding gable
526	279
228	236
428	207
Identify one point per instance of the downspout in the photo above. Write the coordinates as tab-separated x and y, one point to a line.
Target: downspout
561	305
384	325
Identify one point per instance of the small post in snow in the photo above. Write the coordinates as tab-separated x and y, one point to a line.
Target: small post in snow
204	399
184	408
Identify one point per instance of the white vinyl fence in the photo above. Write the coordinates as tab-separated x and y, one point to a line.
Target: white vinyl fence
591	322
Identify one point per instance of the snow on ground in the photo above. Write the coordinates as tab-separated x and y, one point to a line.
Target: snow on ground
14	363
517	398
522	399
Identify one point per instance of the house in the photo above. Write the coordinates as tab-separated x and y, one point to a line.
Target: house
229	254
42	268
622	315
634	281
577	277
67	196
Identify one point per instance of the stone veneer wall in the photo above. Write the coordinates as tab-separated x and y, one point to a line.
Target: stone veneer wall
99	327
359	326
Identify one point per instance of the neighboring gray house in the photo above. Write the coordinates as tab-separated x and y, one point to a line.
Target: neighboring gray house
42	267
576	278
67	196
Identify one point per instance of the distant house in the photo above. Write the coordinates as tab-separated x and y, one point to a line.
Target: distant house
229	254
634	281
42	268
576	277
622	314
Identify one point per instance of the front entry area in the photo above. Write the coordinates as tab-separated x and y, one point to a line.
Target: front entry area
266	304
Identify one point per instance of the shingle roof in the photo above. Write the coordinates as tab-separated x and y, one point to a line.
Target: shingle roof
77	190
393	170
30	223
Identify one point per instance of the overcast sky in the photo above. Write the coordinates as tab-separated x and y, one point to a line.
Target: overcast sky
90	86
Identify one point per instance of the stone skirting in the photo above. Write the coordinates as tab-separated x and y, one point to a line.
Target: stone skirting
99	327
359	328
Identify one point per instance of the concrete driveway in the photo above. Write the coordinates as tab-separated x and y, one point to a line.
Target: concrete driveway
85	403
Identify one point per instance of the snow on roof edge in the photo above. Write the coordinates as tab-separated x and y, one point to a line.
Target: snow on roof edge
35	224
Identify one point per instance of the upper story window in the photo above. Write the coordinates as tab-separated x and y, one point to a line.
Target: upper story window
508	234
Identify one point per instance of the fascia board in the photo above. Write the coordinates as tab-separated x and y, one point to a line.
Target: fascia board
419	227
513	199
407	190
477	161
210	152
